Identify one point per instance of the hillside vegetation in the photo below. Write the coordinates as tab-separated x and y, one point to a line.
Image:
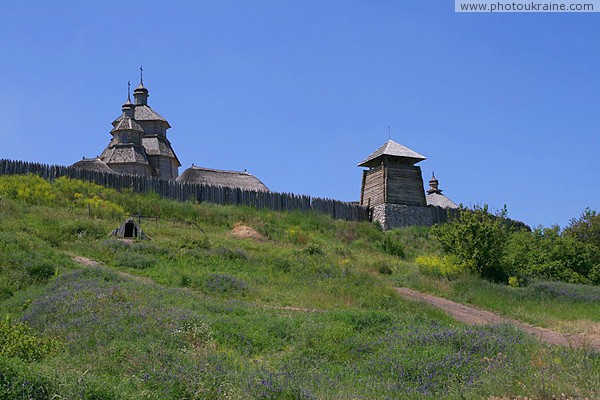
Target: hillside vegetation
301	308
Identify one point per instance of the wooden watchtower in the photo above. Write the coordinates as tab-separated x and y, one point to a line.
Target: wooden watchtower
392	177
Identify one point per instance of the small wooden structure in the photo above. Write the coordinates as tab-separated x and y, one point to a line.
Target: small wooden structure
435	196
392	177
129	229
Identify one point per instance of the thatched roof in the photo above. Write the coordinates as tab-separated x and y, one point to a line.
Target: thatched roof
93	164
216	177
439	200
391	148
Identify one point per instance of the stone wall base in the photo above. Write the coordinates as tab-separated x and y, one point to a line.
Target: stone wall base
392	216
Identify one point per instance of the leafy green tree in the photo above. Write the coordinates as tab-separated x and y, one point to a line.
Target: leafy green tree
547	253
477	239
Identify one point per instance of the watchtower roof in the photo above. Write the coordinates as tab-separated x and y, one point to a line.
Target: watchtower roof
393	149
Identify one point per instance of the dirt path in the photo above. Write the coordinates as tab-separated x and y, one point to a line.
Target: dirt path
474	316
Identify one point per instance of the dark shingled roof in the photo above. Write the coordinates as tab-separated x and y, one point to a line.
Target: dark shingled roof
159	146
144	112
391	148
215	177
126	124
124	153
93	164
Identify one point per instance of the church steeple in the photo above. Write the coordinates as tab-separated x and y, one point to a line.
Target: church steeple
141	93
128	107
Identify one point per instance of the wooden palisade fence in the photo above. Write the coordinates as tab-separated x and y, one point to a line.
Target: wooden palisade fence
170	189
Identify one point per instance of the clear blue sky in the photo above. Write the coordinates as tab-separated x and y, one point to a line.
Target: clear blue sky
506	107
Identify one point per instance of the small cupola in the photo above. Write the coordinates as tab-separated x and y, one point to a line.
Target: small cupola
140	93
434	185
128	106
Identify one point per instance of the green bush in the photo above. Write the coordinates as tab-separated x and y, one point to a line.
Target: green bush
548	254
477	239
17	340
441	267
28	188
385	269
391	244
189	242
41	270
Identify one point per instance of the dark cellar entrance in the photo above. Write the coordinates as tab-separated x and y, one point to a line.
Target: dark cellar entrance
129	230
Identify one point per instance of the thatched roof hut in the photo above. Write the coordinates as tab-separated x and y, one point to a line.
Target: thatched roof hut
93	164
215	177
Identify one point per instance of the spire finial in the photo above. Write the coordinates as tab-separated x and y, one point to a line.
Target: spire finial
434	185
128	91
389	133
141	75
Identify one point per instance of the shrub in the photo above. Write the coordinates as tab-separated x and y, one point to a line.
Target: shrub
441	267
223	283
16	340
188	242
586	228
312	249
28	188
392	245
548	254
385	269
518	281
477	240
41	270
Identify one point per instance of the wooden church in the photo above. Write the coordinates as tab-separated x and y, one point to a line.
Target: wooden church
139	146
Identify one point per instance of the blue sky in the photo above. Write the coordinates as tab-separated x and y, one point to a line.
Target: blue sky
506	107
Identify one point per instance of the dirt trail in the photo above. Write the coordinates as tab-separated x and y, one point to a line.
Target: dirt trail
474	316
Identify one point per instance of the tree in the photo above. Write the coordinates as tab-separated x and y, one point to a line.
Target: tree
478	240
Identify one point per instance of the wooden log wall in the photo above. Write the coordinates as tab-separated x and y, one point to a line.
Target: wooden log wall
405	185
180	191
373	189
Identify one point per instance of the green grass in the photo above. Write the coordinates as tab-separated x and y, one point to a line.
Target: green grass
198	314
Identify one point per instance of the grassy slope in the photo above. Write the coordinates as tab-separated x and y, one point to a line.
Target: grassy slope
210	327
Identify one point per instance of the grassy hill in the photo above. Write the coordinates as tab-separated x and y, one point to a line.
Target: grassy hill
303	308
